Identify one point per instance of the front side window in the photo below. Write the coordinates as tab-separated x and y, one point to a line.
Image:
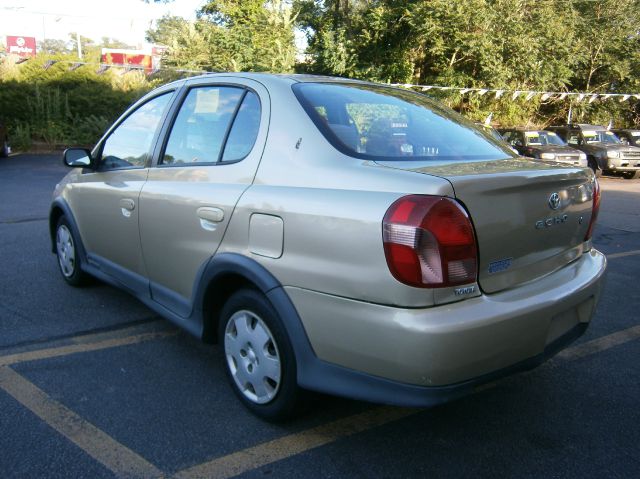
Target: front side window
200	129
129	145
382	123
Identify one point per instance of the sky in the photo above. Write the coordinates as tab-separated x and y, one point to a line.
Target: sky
124	20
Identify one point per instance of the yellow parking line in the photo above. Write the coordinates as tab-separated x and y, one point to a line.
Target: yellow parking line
622	255
600	344
81	347
284	447
288	446
119	459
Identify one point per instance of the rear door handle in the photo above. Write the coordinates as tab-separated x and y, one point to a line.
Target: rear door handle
127	205
210	216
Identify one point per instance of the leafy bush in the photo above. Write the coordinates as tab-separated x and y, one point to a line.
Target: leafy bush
20	135
64	107
88	130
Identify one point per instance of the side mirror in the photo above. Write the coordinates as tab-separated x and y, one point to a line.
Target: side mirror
77	158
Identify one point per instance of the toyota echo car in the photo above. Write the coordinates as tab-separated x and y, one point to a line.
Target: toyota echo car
333	235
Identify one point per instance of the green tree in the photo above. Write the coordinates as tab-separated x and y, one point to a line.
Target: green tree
230	35
503	44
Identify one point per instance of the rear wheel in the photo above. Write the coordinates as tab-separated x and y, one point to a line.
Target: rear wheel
67	254
258	356
631	175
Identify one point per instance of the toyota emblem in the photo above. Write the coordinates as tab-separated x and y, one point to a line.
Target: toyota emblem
554	201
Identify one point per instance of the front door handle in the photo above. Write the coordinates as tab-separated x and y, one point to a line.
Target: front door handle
127	205
209	217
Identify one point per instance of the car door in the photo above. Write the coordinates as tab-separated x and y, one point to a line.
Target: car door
104	200
209	157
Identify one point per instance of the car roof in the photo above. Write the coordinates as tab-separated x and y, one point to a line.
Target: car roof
523	129
578	126
282	77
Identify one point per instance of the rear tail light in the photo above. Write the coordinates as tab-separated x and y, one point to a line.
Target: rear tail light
595	209
429	242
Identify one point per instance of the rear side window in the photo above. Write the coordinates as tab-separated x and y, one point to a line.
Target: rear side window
200	129
382	123
244	131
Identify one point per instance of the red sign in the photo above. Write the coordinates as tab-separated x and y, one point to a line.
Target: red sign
21	46
134	58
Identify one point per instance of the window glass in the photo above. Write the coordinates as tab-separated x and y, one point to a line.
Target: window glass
129	145
573	138
600	136
244	130
201	125
382	123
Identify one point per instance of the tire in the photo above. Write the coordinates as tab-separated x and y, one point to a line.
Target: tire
631	175
68	256
258	357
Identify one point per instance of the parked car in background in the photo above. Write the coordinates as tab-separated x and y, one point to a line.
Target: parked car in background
333	235
605	152
495	134
628	136
5	147
543	145
491	130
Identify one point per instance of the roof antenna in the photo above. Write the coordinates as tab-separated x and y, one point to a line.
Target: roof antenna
569	115
610	125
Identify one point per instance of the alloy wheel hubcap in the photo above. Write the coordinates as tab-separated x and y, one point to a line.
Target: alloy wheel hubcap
252	356
66	251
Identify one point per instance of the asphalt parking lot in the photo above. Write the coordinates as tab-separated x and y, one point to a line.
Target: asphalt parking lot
93	384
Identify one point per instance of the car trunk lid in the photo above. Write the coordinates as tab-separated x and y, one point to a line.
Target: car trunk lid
530	218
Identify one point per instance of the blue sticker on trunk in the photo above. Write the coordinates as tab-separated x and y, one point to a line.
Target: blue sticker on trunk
500	265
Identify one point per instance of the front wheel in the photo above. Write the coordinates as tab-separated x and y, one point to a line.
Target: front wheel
631	175
67	254
258	356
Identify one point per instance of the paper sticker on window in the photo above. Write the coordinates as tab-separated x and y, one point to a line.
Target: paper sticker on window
532	134
207	100
635	133
588	133
550	133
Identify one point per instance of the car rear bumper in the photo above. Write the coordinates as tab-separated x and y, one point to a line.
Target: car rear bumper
435	353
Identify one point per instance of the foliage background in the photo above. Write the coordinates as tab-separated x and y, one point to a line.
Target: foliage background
543	45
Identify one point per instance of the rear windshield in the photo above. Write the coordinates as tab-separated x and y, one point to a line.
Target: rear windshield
383	123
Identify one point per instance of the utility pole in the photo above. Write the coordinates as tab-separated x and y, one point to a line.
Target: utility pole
79	45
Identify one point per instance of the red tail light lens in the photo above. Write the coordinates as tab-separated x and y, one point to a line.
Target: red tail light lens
429	242
595	209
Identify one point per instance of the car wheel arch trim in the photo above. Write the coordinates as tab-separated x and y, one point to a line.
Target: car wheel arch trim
58	209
